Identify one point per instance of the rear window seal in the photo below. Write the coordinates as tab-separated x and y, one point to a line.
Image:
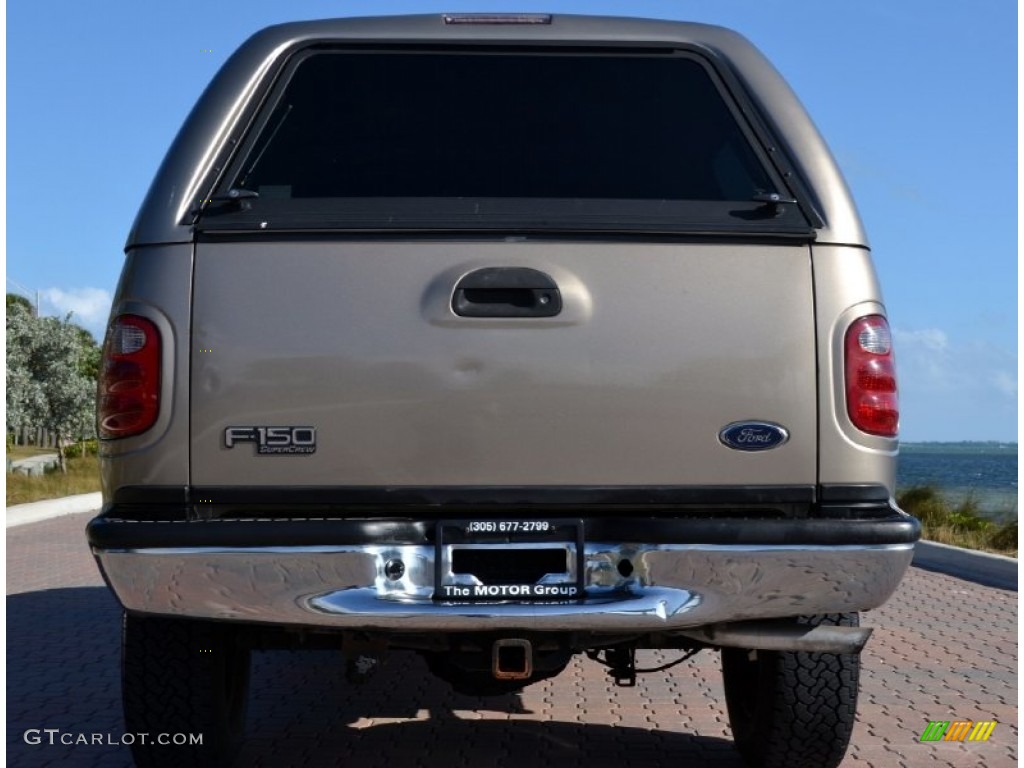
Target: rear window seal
798	221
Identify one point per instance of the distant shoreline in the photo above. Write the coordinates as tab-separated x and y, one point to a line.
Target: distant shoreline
965	445
982	473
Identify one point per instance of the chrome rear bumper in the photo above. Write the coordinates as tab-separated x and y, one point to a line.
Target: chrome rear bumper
670	586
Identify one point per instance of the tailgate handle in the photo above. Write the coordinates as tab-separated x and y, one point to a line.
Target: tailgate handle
506	292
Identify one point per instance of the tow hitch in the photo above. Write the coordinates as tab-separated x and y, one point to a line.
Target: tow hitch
512	659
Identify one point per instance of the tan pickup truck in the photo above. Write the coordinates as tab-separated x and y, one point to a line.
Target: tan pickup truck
500	338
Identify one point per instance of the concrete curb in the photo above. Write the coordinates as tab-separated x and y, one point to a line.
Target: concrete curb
23	514
981	567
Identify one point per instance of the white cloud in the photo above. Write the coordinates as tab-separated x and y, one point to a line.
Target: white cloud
1005	383
952	389
929	338
89	307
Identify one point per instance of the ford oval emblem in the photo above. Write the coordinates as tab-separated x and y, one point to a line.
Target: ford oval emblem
753	435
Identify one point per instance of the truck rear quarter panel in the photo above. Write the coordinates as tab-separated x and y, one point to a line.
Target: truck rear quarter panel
156	282
846	288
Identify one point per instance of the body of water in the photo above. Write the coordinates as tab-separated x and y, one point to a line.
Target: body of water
986	472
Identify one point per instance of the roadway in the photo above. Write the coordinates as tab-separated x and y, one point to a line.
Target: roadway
943	649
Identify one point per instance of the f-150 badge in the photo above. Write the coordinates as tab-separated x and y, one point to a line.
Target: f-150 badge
274	440
753	435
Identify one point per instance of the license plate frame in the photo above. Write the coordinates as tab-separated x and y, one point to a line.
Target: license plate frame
504	534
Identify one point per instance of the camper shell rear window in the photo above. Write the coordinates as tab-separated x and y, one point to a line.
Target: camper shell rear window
578	140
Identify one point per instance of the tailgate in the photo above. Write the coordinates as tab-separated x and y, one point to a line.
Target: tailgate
656	349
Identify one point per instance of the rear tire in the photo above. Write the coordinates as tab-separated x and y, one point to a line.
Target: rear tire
183	677
792	709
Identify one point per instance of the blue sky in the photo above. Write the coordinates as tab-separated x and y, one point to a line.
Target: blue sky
917	100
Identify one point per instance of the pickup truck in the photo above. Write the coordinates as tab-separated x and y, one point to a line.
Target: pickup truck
500	338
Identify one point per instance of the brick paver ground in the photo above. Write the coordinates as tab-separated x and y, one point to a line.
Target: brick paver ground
943	649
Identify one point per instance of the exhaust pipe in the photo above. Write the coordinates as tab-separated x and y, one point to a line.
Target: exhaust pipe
782	635
512	659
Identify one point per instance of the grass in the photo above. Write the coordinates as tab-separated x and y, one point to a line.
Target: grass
959	525
83	476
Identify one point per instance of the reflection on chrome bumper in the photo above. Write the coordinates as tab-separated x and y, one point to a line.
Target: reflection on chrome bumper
670	586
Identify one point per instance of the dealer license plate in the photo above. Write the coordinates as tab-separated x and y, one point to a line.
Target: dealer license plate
504	559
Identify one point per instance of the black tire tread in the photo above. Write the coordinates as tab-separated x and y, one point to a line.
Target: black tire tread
806	703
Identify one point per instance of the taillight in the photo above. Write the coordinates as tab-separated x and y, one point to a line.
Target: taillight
871	393
129	386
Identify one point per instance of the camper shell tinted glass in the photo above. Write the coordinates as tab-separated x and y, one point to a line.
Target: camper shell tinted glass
484	138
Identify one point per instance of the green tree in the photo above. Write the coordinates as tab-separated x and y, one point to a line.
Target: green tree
14	299
89	361
47	380
24	394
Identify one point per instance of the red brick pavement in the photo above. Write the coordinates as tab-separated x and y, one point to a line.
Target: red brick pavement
943	649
